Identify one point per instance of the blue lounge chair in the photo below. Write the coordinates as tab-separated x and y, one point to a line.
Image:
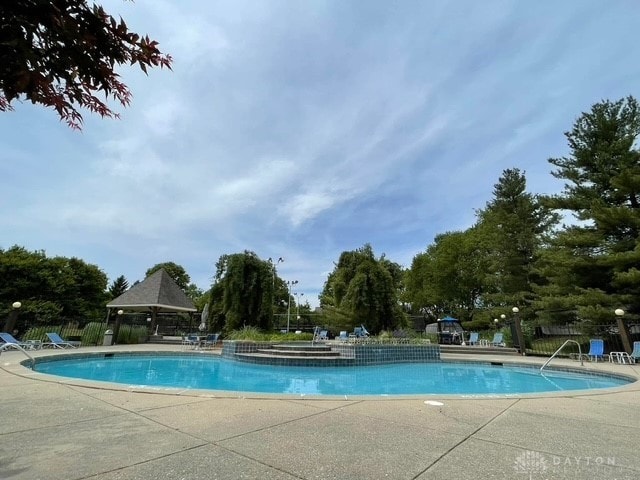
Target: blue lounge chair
192	340
56	341
211	340
322	335
473	338
596	349
498	340
8	339
343	337
635	354
359	334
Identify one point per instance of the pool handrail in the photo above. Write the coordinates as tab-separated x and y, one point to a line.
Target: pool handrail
7	345
558	351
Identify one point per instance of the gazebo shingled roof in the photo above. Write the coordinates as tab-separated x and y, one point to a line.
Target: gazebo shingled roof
158	292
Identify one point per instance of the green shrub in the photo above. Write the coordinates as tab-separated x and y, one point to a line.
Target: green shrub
93	333
253	334
477	325
130	334
39	333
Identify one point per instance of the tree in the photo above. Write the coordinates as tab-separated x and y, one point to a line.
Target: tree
51	289
175	271
118	287
449	277
511	229
62	54
197	295
363	289
243	287
593	265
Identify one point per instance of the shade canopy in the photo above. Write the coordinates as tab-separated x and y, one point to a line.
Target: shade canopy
158	292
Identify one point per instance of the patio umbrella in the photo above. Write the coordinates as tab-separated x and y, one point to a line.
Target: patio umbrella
203	318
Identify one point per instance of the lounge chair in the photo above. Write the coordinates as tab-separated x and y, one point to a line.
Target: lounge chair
473	338
596	350
211	340
343	337
192	340
360	332
8	339
635	354
55	341
322	335
498	340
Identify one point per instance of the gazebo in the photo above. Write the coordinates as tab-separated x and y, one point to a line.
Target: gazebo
156	293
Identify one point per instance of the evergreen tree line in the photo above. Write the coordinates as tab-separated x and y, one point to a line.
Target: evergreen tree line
570	257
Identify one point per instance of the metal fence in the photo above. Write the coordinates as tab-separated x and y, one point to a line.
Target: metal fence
545	340
134	328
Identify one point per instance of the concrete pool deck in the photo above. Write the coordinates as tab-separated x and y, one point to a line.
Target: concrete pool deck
60	430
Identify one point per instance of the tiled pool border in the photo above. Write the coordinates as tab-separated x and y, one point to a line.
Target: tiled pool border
59	355
350	354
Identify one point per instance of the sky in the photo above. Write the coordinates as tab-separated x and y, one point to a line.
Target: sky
304	129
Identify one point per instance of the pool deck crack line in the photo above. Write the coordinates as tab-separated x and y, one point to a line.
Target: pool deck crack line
467	437
135	464
195	447
275	425
205	441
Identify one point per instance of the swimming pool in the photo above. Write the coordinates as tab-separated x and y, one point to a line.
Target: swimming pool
214	373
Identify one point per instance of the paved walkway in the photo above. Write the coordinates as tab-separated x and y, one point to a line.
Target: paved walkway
52	430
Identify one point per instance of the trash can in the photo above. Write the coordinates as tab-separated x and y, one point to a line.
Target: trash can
108	338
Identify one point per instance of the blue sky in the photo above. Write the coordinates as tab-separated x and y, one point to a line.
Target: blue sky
304	129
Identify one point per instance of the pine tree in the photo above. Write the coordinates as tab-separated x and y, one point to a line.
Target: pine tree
593	265
118	287
512	227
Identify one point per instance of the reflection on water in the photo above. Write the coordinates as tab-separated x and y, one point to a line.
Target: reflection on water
408	378
303	386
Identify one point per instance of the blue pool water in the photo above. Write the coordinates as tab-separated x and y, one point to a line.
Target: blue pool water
193	372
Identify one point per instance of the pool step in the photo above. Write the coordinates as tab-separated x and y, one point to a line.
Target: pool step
294	360
298	353
297	347
477	349
294	354
299	350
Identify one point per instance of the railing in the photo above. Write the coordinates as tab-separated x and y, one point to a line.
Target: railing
6	346
558	351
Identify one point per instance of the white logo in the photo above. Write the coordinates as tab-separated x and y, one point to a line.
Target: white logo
530	462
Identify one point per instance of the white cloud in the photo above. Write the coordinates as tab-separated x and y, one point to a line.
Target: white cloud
305	130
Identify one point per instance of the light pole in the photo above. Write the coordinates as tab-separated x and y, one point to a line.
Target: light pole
622	328
289	285
10	324
298	295
273	270
518	327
